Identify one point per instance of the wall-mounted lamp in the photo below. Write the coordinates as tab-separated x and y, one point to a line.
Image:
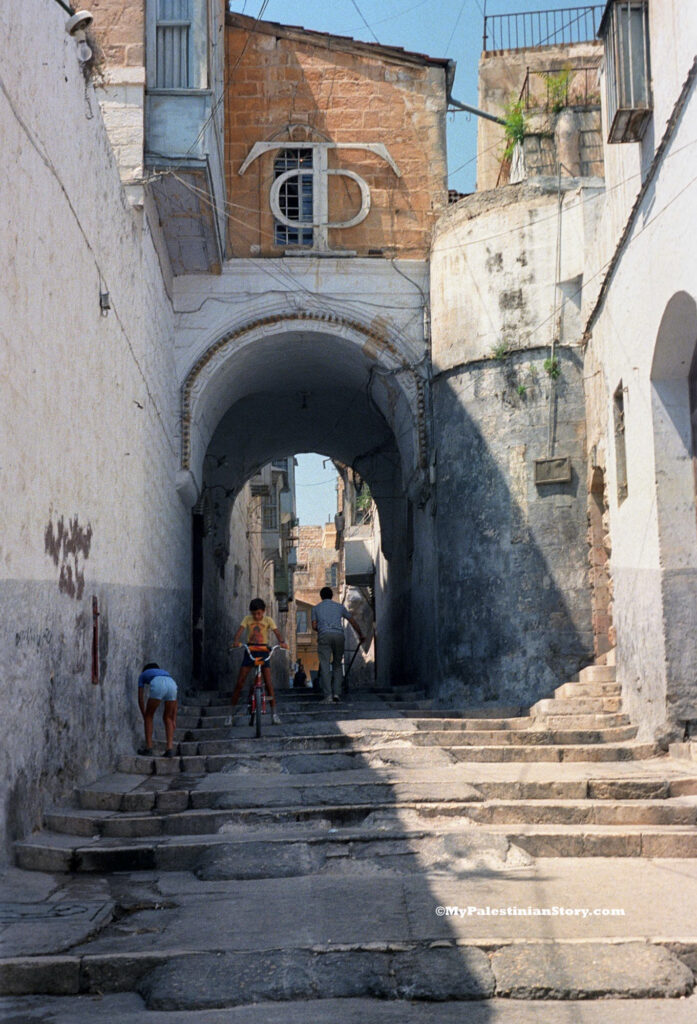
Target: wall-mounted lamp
76	26
104	304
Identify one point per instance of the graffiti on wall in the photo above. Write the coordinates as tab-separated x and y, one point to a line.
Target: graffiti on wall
68	545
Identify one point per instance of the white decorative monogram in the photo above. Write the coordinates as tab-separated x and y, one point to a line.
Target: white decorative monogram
319	172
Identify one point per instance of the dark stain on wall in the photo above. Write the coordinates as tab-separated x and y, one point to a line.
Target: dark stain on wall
68	544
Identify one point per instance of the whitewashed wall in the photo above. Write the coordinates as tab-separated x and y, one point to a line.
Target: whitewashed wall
654	537
88	433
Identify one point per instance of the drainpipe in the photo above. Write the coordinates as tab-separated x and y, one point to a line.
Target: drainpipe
452	102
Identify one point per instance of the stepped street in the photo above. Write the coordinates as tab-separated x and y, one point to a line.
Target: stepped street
375	860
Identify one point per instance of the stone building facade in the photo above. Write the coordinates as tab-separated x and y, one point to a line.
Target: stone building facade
280	273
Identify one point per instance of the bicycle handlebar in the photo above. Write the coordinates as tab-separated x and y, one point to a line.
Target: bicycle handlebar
268	656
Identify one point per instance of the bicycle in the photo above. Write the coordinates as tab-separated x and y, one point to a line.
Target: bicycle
257	691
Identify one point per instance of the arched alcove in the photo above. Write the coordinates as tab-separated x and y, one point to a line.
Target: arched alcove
673	360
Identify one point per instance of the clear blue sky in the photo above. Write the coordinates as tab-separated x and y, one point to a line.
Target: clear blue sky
438	28
315	489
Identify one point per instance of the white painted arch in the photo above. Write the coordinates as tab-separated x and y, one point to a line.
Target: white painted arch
272	361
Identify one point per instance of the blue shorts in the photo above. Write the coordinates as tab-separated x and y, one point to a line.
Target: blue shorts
257	652
163	688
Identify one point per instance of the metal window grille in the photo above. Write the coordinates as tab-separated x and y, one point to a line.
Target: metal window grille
295	198
625	32
173	44
270	513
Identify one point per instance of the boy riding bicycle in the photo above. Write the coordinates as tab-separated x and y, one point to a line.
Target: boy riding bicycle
258	626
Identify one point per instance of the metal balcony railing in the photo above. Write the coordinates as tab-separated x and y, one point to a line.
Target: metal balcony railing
532	29
553	88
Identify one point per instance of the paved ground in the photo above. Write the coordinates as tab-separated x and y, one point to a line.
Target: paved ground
130	1009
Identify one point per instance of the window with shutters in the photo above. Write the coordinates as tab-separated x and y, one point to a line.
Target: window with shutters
174	39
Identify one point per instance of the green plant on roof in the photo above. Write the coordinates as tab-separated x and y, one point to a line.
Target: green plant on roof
514	126
500	351
558	89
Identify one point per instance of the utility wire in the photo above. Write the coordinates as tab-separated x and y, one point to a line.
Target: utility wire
457	22
360	12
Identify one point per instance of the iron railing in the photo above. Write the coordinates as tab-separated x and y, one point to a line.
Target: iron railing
553	88
532	29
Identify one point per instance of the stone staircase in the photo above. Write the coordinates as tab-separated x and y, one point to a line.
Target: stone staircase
352	816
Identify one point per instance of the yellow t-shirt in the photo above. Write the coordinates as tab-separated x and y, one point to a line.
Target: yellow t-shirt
258	632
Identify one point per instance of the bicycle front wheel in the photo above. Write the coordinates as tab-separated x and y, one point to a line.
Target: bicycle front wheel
258	697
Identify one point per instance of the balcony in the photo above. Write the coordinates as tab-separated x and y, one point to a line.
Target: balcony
184	131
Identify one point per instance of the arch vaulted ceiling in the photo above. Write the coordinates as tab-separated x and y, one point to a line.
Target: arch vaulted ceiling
303	383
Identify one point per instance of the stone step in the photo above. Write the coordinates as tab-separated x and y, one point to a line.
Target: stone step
340	807
597	674
281	848
118	793
584	690
193	763
217	699
514	718
580	722
453	733
577	706
599	752
421	972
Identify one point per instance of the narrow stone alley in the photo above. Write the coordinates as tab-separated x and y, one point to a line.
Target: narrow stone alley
363	862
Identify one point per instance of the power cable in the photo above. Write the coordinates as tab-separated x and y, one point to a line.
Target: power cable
457	22
360	13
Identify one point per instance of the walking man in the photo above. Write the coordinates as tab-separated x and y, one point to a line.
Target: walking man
327	619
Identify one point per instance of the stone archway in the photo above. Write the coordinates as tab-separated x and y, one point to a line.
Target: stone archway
344	349
299	382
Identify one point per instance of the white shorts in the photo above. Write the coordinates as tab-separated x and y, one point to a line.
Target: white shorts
163	688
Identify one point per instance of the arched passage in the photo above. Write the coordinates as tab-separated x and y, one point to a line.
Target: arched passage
298	384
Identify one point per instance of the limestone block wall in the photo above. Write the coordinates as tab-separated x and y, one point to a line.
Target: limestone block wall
502	75
119	31
513	579
289	85
88	425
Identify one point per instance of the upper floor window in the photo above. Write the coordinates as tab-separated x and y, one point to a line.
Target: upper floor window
295	196
173	44
270	512
625	33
